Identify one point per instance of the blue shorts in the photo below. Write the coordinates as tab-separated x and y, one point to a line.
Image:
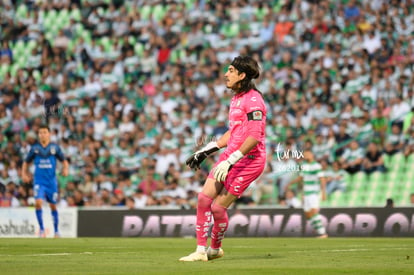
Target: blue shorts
43	192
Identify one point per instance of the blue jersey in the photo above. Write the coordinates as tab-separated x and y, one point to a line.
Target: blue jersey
45	163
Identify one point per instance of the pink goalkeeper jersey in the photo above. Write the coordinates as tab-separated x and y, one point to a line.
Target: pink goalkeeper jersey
247	118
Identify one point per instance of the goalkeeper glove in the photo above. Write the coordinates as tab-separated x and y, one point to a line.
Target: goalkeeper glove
222	169
198	157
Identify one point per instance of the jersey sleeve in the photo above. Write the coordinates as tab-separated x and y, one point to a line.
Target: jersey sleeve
256	116
30	156
320	172
59	154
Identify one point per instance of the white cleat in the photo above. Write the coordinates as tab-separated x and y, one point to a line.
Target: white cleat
214	254
195	257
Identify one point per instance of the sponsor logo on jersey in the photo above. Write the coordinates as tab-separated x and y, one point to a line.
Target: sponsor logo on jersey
257	115
253	98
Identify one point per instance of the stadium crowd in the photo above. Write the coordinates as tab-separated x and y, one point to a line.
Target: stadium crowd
130	88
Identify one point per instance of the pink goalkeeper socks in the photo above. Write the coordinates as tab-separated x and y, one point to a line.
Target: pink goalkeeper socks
221	221
203	218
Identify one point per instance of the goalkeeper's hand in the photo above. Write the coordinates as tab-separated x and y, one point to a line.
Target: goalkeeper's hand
223	168
198	157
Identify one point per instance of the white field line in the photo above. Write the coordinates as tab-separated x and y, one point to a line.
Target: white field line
67	254
48	254
354	249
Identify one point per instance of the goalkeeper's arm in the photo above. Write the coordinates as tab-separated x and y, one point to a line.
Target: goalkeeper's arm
222	141
198	157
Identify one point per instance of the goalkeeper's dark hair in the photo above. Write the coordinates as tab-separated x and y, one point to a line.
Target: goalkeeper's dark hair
249	66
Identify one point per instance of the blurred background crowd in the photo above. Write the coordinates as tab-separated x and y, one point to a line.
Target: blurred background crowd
130	88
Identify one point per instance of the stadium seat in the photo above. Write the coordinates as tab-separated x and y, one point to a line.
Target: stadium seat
79	28
348	178
233	29
64	13
4	68
189	3
48	23
139	49
362	199
392	174
18	47
37	75
30	45
51	14
339	199
325	203
375	177
50	37
409	162
352	199
106	43
132	39
405	198
261	13
75	14
145	12
86	35
21	61
59	23
359	179
13	69
158	12
71	45
387	160
21	11
382	187
410	174
370	201
176	54
379	199
397	162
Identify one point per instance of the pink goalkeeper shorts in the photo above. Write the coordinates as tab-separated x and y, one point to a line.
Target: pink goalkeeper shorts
242	174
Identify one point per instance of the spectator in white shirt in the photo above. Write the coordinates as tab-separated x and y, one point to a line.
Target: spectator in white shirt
352	158
372	42
399	109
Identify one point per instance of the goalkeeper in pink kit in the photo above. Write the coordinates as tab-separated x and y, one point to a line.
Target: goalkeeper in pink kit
239	165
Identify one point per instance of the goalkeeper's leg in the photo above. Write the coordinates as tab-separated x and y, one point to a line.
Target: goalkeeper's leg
221	222
202	228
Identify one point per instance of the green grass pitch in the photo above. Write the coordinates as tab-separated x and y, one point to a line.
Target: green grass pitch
242	256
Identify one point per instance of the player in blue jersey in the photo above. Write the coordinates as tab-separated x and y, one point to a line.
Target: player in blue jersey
45	155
